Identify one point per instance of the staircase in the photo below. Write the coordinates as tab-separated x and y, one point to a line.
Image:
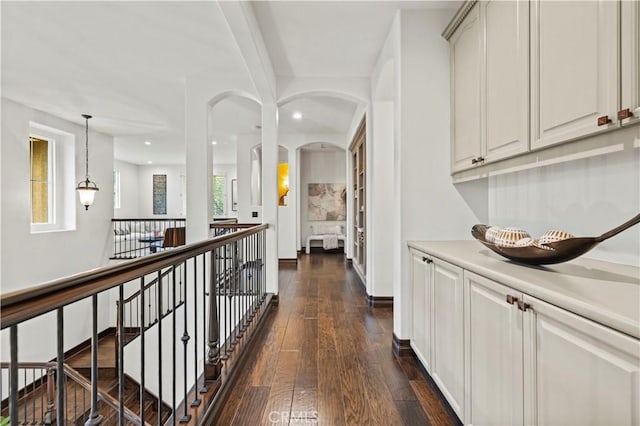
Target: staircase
36	402
108	381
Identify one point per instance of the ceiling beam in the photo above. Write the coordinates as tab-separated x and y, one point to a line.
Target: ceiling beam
245	29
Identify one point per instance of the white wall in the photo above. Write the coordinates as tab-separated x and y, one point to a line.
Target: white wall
129	190
245	144
584	197
29	259
380	269
318	167
174	190
426	205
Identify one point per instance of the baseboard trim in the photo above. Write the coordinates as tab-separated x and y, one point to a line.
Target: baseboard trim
433	385
379	301
288	262
402	347
339	250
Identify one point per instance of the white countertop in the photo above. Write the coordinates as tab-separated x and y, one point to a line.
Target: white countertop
605	292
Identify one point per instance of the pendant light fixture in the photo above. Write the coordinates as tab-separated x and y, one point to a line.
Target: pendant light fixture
87	188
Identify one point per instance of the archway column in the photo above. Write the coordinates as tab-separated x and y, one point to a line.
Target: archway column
270	191
199	165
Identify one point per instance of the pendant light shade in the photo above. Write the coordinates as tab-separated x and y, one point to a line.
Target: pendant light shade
87	188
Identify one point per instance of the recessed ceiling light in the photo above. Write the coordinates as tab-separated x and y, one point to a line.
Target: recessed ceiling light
147	143
149	162
213	142
297	115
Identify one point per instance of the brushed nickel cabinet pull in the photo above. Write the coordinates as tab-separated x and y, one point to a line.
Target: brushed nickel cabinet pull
604	120
624	113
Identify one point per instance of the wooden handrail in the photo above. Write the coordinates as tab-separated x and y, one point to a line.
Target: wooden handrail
30	364
230	225
22	305
105	397
146	286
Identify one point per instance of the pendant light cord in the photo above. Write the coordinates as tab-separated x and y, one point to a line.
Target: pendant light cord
86	146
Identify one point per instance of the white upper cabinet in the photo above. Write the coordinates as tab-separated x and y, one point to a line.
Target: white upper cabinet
490	84
531	74
574	73
629	112
506	78
578	372
465	92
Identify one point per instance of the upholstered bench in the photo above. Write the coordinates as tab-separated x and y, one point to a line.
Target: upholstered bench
319	232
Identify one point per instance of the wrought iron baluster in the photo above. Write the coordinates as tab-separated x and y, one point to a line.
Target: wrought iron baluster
120	357
60	376
203	388
185	341
213	366
160	366
44	391
196	401
95	418
33	392
142	342
225	274
61	408
25	387
173	339
236	309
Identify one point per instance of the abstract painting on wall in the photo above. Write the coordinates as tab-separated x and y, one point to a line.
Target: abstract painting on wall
327	201
159	194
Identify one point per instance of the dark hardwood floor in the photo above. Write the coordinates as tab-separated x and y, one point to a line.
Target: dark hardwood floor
325	358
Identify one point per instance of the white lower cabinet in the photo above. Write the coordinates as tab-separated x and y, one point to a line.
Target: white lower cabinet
493	352
421	277
501	357
578	372
447	362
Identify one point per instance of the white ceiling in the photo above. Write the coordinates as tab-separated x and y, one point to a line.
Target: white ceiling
329	38
125	63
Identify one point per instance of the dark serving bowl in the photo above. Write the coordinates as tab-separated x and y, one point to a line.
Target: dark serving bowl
556	252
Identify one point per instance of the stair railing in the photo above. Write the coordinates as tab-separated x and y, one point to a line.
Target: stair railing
215	290
133	238
36	384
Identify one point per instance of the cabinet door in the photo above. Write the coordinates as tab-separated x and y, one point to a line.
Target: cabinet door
493	350
630	60
465	92
506	82
574	73
578	372
447	361
421	283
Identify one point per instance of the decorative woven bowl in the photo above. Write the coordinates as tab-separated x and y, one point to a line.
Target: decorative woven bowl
552	247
